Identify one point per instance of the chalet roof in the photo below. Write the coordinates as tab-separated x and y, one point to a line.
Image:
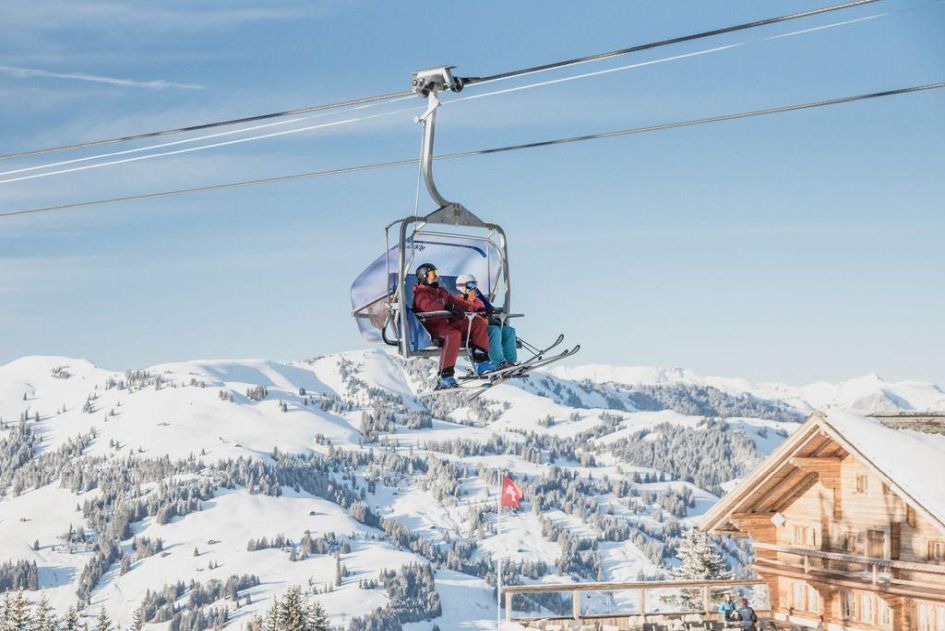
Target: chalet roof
911	463
913	460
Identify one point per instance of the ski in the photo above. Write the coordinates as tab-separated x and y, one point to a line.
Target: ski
523	371
536	356
472	382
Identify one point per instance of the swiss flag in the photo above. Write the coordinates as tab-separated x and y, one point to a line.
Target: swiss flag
511	493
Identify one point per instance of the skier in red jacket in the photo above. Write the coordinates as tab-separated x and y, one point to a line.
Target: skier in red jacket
452	329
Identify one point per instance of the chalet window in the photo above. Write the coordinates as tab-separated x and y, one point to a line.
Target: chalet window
849	604
813	600
936	550
940	619
924	617
849	541
883	613
805	536
866	608
876	544
862	484
910	516
797	595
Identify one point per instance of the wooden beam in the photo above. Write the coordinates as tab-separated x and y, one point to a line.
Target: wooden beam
827	468
615	587
751	518
790	492
815	463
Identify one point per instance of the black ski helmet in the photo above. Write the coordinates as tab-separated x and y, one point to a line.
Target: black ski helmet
422	270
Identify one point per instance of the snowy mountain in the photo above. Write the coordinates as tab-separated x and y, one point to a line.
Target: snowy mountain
184	489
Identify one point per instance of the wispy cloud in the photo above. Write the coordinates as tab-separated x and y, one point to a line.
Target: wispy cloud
177	14
154	84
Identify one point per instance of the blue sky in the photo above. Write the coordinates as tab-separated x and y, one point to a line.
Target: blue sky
797	247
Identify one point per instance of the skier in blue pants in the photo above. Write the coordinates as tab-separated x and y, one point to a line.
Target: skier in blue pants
502	340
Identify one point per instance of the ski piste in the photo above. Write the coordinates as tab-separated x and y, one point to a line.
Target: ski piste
522	371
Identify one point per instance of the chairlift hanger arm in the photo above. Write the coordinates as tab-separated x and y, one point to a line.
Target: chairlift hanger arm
428	84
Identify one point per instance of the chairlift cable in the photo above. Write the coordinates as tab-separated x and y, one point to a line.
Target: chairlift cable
465	81
517	88
224	143
665	42
224	123
192	139
479	152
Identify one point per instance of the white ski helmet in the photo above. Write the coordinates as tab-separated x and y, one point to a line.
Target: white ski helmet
463	280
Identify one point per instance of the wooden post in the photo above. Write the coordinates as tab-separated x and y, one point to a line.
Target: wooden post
508	606
643	604
576	604
706	607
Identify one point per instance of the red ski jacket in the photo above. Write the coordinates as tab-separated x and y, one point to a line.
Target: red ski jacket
427	298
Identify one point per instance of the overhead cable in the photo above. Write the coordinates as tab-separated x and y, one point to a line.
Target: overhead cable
461	99
479	152
223	143
193	139
201	126
664	42
466	81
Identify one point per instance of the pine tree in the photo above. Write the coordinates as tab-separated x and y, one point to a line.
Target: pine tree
317	619
104	622
137	620
292	611
45	618
71	621
271	623
17	612
700	561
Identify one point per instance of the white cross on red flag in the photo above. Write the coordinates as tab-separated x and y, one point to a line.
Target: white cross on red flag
511	493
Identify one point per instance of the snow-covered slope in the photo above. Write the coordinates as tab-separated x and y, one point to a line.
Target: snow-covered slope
360	475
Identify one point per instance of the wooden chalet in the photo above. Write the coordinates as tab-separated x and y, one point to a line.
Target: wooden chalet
848	520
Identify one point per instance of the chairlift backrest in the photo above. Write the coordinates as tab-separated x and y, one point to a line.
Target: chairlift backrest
418	339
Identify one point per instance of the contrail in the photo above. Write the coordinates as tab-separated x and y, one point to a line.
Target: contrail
157	84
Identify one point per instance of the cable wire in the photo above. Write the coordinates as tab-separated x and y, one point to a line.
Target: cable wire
493	150
518	88
664	42
193	139
466	81
199	127
225	143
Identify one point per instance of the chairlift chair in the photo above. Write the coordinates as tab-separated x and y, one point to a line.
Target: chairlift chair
451	237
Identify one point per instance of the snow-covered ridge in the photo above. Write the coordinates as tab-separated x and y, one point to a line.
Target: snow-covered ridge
870	393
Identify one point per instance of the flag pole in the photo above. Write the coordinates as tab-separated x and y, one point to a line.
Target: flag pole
498	532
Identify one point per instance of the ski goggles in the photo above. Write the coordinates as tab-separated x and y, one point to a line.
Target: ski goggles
432	275
471	284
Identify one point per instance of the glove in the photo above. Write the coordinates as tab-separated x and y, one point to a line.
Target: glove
455	309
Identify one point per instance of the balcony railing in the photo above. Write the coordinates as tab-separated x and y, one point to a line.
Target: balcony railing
882	574
704	591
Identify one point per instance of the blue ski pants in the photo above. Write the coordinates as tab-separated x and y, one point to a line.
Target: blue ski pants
502	344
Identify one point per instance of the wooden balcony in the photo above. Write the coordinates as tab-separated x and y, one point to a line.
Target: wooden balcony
887	576
641	617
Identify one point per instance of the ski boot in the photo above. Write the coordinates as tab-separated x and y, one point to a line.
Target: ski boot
446	383
484	368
